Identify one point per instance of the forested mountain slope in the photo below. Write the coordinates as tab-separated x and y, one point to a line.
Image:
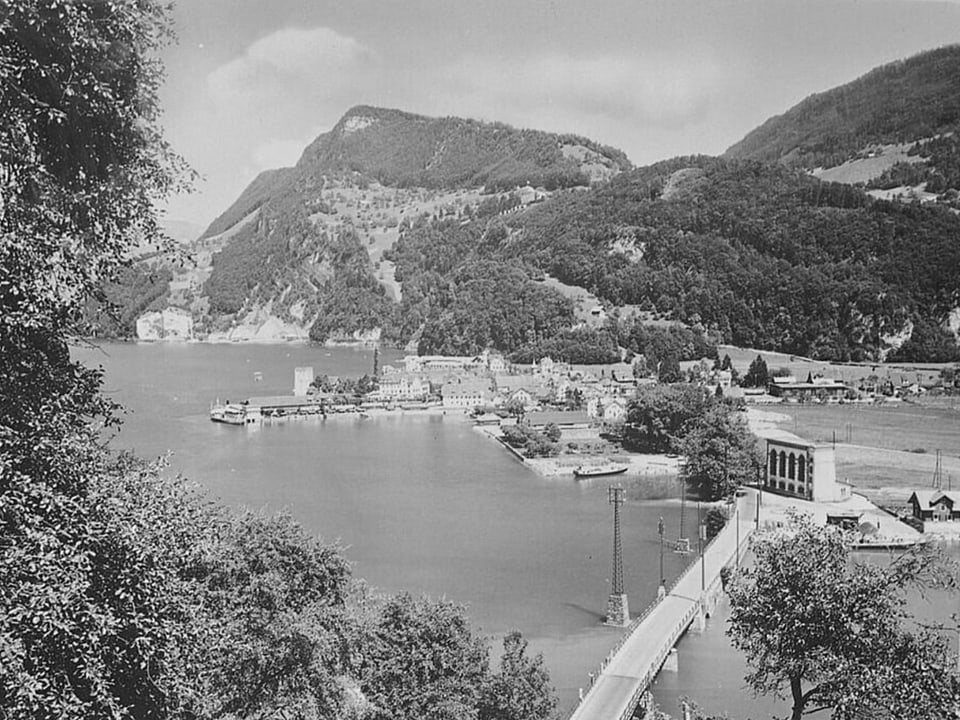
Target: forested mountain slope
766	255
305	244
912	104
401	149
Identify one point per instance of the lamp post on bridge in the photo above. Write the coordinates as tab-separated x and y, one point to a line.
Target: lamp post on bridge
703	566
662	589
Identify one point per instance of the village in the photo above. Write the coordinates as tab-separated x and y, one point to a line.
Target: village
564	419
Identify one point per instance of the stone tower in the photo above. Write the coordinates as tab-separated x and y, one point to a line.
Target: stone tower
302	377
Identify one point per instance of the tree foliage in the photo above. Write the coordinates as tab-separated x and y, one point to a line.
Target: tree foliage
833	633
423	661
660	416
720	452
123	593
757	374
521	689
759	254
85	609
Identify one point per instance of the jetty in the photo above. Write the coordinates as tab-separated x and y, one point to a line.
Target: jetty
648	642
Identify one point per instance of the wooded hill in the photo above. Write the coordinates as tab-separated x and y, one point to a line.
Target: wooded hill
914	101
748	249
298	257
401	149
766	255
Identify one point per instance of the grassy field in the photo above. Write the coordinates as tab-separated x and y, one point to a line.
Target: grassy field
886	451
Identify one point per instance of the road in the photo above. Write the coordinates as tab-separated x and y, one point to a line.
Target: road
632	667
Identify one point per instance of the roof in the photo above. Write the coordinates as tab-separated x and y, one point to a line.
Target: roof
558	417
281	401
929	498
782	436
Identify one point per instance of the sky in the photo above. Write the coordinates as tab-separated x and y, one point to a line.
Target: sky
251	82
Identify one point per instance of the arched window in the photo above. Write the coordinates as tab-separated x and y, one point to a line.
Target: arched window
773	462
802	469
783	464
792	468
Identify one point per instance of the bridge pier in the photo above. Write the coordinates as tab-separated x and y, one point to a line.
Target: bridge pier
672	663
699	623
618	610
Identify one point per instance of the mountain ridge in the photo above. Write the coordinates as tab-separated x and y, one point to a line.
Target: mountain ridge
396	148
913	103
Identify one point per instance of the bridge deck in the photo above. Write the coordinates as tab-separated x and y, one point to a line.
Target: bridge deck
634	663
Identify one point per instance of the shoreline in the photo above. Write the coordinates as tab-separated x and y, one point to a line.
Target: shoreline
638	465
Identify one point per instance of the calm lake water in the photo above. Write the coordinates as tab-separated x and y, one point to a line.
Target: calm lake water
424	504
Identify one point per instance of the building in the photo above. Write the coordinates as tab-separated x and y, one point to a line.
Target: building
935	505
466	393
402	387
819	389
564	419
496	363
522	396
302	379
614	411
800	468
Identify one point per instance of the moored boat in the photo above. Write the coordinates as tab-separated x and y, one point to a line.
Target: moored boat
599	470
231	414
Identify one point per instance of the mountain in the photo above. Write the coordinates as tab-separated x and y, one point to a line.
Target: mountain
897	127
301	251
451	236
761	254
399	149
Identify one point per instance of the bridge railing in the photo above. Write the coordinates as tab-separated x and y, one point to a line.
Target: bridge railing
714	542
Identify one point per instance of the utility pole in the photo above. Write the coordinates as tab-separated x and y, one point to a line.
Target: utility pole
737	501
618	610
662	590
703	563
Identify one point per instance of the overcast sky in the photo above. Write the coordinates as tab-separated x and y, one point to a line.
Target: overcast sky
251	82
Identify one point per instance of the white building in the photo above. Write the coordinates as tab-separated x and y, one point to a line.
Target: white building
798	467
403	387
302	379
615	411
465	394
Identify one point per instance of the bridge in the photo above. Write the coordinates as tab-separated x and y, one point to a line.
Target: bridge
631	666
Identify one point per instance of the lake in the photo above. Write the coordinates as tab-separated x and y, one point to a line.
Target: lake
420	503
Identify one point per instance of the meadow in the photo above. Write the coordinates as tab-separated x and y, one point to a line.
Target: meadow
886	451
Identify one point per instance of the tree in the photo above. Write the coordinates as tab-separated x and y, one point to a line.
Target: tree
928	342
275	602
757	374
714	520
834	633
423	661
123	593
720	453
91	603
551	432
521	690
515	407
661	415
668	369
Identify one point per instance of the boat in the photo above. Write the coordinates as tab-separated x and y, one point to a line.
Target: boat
599	470
231	414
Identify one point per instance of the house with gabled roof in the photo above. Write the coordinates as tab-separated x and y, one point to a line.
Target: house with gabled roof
935	505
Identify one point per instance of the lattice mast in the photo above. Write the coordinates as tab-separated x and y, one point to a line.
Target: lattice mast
618	609
615	496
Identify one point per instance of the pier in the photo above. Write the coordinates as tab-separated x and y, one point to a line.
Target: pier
626	673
